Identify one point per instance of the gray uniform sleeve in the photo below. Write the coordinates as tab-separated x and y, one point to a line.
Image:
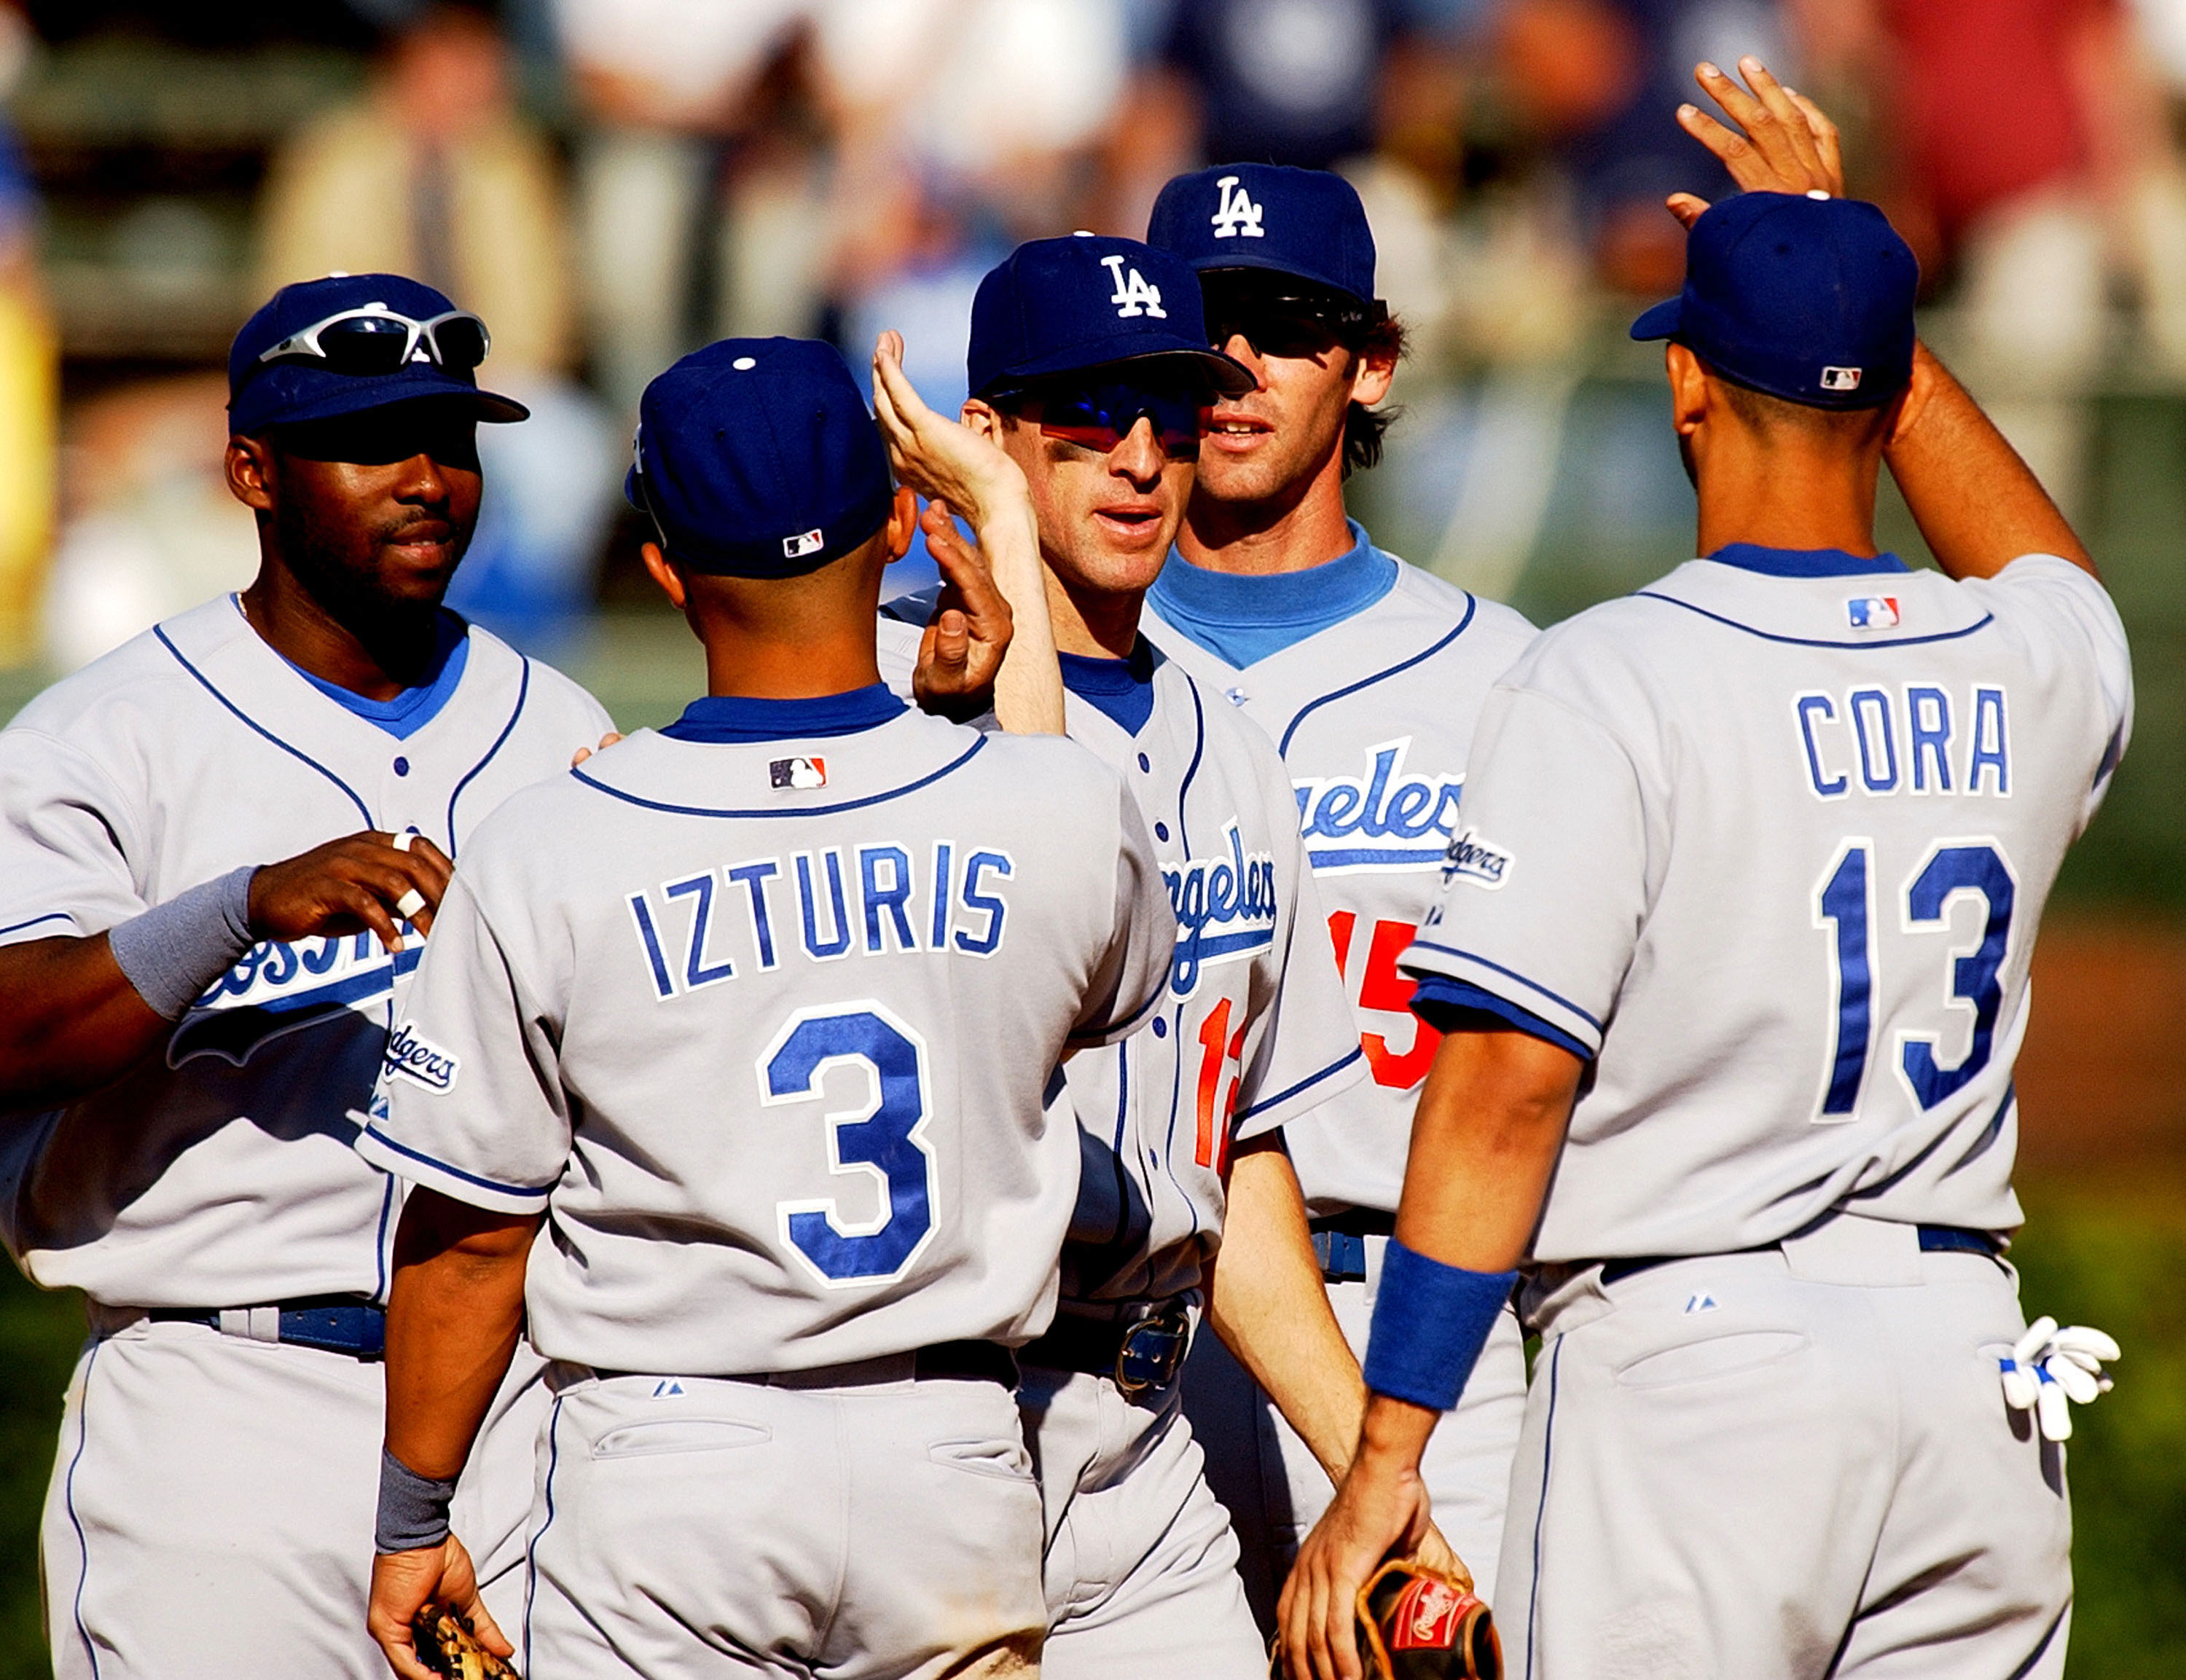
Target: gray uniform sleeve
470	1101
1129	982
1306	1048
65	832
1545	886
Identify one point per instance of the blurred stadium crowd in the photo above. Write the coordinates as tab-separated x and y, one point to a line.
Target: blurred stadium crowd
611	182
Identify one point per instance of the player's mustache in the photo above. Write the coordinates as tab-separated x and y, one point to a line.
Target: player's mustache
421	526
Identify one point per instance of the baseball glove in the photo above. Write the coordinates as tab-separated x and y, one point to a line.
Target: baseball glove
446	1645
1416	1623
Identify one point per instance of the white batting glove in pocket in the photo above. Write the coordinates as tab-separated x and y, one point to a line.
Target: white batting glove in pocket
2050	1369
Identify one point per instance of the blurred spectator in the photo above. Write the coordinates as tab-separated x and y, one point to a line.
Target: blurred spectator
1603	79
28	379
435	173
150	526
663	83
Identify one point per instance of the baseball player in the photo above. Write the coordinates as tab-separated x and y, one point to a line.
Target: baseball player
220	846
755	1015
1751	870
1090	367
1368	674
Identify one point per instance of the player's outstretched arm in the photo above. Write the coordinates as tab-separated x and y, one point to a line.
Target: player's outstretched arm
1266	1301
1977	504
971	644
1485	1138
453	1316
78	1013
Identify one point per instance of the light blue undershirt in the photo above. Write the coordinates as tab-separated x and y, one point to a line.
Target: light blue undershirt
411	710
1242	619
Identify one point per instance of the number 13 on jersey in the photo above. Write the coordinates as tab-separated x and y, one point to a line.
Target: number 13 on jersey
1844	908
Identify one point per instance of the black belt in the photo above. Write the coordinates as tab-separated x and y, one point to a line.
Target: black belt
1339	1241
1934	1239
334	1323
1141	1351
969	1361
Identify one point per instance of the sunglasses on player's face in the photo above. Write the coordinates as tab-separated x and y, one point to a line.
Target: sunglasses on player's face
375	340
1282	324
1100	417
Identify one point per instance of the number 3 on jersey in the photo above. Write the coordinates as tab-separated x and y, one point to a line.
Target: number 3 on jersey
1842	901
880	1139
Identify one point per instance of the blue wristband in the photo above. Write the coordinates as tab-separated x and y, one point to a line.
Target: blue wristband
1430	1323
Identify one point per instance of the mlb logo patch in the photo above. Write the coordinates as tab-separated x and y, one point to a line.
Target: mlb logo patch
1841	379
805	542
798	773
1872	612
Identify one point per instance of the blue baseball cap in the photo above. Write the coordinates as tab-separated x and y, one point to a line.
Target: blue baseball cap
1304	223
293	390
1802	297
757	458
1062	306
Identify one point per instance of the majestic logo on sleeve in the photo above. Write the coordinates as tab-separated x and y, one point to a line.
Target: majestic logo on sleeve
283	986
411	1056
1134	295
1385	820
1236	214
1226	909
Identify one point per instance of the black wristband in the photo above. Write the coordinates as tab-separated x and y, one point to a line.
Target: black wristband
413	1508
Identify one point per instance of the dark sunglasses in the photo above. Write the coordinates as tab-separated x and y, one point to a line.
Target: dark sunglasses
374	341
1100	417
1288	325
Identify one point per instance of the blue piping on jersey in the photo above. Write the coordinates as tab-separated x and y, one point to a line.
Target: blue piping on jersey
414	707
363	810
531	1549
1439	998
1168	1142
82	1540
956	764
2113	750
1118	1024
1192	770
526	1191
379	1241
1803	562
50	915
2042	1646
1308	1083
1983	623
1471	610
1513	974
1541	1512
523	693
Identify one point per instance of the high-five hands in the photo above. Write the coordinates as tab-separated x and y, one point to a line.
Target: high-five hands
1783	144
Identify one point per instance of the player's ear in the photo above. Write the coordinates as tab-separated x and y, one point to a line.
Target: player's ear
250	473
665	574
1689	395
983	419
1373	371
902	523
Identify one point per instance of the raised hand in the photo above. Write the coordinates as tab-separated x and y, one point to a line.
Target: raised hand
1783	143
940	458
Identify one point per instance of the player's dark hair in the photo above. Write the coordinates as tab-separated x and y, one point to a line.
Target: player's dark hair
1364	427
1847	428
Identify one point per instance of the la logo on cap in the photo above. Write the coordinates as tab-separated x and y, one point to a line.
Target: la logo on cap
804	543
1133	295
1236	214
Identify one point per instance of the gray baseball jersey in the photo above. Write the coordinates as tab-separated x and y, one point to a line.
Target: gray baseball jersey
1252	1030
1373	718
220	1173
1772	849
764	1025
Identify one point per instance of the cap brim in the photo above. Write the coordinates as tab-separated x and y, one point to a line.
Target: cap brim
1227	375
1231	263
1661	322
357	396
